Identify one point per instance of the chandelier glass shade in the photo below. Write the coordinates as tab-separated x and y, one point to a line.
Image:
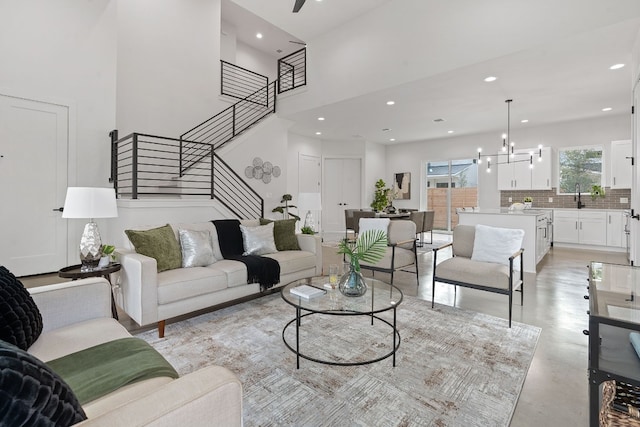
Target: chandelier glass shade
508	153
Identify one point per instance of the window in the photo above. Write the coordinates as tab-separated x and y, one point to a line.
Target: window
579	165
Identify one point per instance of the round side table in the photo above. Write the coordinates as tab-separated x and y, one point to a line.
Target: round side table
74	272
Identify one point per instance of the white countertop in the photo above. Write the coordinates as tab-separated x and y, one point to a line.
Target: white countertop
506	211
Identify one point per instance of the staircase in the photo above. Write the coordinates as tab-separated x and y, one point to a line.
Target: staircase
144	165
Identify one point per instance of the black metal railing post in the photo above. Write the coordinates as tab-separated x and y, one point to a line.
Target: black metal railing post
114	159
212	174
134	167
233	121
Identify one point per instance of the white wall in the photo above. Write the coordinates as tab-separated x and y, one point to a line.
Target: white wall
375	169
298	145
409	157
65	52
267	140
168	65
255	60
228	42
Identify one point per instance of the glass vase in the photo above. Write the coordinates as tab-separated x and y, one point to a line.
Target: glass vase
352	283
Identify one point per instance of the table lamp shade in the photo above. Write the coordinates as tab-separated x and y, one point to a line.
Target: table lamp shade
309	202
90	202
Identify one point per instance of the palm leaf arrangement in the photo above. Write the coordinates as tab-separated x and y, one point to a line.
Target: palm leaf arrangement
370	247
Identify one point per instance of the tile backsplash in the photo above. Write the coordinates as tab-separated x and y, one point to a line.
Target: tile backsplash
541	199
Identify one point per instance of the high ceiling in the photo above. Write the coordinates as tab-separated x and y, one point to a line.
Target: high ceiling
550	79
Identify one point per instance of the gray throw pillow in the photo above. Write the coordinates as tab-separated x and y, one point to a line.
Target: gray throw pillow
258	240
196	248
158	243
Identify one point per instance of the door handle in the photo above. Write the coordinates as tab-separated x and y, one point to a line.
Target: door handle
60	209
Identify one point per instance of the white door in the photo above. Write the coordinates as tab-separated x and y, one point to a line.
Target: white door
341	190
33	180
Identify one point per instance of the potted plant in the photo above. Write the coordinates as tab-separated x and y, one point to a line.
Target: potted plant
597	191
370	247
108	255
284	210
307	230
380	196
528	202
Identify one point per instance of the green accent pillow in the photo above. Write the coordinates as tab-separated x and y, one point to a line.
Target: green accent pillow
284	233
159	243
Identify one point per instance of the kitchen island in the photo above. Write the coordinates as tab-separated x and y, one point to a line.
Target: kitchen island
536	224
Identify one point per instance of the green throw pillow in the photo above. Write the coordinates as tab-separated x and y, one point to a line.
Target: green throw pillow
159	243
284	233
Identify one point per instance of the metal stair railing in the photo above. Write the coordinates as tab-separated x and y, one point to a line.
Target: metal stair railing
292	71
238	82
146	165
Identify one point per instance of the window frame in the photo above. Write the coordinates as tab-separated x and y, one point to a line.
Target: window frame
595	147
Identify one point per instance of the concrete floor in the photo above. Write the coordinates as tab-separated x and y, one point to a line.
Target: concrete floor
555	390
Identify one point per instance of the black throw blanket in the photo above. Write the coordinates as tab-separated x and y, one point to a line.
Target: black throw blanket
263	270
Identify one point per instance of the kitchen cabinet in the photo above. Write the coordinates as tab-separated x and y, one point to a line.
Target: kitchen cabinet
615	229
541	172
620	164
580	226
521	176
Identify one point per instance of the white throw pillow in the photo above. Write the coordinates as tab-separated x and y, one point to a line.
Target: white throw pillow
196	248
367	224
494	244
258	240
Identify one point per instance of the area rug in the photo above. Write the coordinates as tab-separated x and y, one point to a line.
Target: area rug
453	367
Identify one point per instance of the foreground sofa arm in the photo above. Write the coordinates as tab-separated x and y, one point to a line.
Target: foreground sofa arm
312	243
211	396
67	303
139	286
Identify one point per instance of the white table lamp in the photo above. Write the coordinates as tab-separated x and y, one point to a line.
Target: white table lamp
309	202
90	202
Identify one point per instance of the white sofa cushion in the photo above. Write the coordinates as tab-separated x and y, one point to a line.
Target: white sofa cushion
235	271
78	336
495	244
293	261
183	283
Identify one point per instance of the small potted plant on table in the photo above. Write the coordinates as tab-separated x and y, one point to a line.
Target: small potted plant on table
528	202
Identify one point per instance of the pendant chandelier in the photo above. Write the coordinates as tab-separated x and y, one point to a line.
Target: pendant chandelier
508	149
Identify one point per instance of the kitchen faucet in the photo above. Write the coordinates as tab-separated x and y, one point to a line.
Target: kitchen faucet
576	198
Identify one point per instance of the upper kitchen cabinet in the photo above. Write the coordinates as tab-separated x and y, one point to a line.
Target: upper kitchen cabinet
520	175
621	164
541	172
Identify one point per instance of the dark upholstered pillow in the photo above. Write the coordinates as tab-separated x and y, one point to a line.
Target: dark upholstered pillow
31	394
20	319
159	243
284	232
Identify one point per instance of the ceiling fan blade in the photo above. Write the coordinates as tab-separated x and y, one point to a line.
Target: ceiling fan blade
297	42
298	5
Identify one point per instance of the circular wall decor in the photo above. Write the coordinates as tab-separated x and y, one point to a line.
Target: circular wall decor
264	171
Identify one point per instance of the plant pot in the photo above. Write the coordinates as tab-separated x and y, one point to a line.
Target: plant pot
527	205
352	283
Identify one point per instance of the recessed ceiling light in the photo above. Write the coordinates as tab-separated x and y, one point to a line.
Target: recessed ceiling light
490	79
449	131
607	109
390	102
321	118
524	121
616	66
392	139
259	35
318	133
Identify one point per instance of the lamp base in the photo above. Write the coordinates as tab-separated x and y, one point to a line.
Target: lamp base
90	247
309	221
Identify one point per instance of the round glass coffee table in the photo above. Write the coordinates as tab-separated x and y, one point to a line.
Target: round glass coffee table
380	297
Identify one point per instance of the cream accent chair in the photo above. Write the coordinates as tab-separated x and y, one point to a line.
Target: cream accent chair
401	250
77	315
461	270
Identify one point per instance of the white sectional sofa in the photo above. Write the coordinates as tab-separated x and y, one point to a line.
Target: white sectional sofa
77	315
151	297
